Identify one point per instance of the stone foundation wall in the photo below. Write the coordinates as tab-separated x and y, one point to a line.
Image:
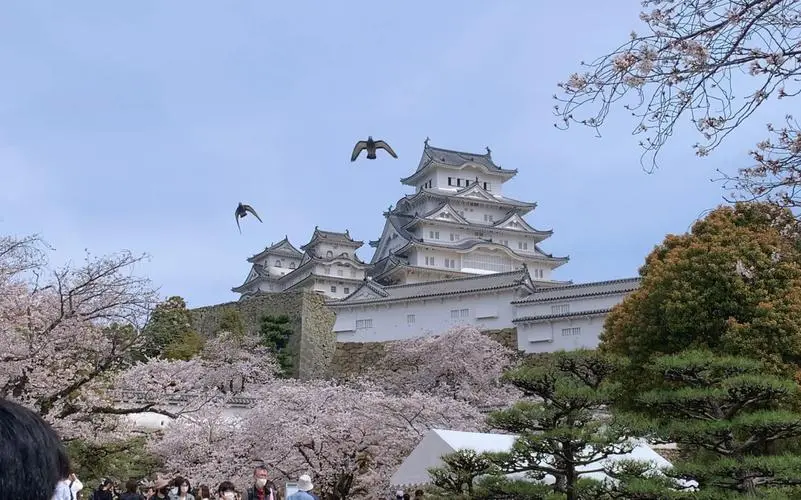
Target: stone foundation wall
312	342
318	341
354	358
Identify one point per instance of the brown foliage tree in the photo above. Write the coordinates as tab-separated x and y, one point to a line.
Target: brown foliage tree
732	285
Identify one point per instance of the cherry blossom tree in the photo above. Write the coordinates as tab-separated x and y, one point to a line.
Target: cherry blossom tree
462	364
686	65
349	439
70	337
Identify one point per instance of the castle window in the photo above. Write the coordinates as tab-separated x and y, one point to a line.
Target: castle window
560	309
485	185
454	314
364	323
410	319
329	254
292	265
522	245
459	182
277	263
340	272
327	269
346	290
571	332
450	181
488	186
429	261
333	289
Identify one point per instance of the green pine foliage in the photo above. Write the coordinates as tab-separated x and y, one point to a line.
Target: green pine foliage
119	460
231	321
727	414
275	333
170	333
564	422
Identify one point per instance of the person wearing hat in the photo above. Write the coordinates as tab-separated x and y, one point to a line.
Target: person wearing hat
162	487
103	492
304	489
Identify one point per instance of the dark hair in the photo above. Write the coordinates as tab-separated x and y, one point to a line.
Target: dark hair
418	494
258	468
226	486
180	480
406	496
203	491
131	485
32	457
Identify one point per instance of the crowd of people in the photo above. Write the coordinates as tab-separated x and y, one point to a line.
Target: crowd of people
34	466
70	488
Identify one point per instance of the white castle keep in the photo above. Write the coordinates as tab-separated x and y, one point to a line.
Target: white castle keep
455	251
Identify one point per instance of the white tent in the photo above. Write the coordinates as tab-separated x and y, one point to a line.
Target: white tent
437	442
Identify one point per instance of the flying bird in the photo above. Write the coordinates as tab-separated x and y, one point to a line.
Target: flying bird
371	146
241	211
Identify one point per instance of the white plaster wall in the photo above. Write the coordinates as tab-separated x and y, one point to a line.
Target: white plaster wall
574	305
343	288
321	249
430	317
547	336
155	421
494	184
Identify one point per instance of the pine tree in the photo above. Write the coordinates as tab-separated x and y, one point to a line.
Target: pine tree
729	417
567	425
275	333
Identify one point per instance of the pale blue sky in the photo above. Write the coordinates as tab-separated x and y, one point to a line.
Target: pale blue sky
140	125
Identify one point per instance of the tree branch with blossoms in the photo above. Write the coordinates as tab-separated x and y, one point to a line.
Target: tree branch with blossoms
686	66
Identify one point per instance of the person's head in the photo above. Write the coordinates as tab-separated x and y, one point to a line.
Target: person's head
226	490
32	457
418	494
106	485
182	485
162	487
131	485
260	476
149	491
305	483
399	494
204	492
406	496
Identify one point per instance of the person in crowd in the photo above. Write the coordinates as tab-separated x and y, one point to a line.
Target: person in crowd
131	491
263	488
68	487
399	495
203	492
104	491
304	489
148	490
32	457
226	491
182	488
418	494
162	488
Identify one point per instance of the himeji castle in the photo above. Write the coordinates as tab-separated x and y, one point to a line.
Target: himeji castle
454	251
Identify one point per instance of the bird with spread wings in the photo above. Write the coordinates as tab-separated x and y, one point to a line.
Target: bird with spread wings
371	146
241	211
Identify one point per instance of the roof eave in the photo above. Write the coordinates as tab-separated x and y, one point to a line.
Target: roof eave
422	297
